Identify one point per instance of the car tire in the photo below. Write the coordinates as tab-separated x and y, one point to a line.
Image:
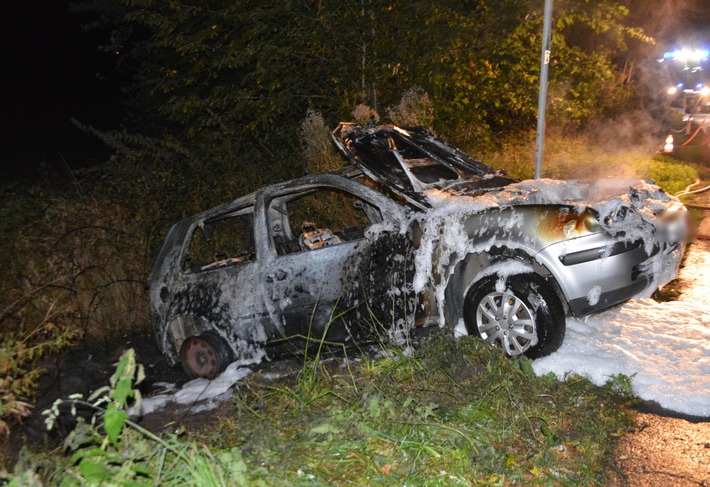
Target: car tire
204	356
521	314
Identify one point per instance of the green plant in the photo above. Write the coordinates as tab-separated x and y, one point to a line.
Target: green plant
19	372
671	174
451	412
112	449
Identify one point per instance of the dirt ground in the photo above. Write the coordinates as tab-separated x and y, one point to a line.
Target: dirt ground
663	451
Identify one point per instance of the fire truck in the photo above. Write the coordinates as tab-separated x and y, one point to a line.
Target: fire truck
688	86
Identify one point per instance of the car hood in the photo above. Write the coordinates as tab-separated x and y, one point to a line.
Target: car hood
415	163
430	173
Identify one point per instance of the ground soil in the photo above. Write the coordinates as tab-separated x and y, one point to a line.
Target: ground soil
660	450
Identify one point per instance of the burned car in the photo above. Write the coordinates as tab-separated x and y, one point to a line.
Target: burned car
414	234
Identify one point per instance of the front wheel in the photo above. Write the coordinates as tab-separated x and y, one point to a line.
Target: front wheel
520	313
205	356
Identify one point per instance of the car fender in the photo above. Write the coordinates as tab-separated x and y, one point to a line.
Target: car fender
475	266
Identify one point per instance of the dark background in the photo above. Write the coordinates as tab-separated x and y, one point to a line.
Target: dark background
53	71
49	76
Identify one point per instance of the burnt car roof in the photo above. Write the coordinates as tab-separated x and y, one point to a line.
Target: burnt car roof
412	161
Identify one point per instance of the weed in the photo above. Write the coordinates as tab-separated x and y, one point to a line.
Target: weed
110	448
19	374
456	411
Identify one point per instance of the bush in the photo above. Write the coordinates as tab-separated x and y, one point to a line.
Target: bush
316	145
415	109
672	175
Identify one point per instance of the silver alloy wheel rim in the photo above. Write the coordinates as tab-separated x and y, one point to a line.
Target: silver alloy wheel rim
503	319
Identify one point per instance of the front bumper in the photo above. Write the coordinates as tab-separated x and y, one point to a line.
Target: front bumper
596	272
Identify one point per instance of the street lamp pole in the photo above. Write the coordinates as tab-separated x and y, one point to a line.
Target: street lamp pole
542	99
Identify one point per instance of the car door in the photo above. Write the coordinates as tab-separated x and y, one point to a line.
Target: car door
212	289
323	275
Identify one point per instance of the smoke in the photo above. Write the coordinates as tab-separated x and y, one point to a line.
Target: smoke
636	129
671	22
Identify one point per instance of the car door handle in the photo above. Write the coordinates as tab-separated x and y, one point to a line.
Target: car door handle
279	275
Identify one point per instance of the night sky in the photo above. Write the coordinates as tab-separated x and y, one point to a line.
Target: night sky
48	78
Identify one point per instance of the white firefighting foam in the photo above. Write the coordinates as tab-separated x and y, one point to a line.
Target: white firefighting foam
663	347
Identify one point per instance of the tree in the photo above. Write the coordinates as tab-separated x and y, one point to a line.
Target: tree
225	85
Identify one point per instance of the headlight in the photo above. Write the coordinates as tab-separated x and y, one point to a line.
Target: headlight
617	216
566	224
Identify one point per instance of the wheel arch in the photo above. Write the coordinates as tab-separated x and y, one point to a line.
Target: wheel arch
471	269
177	330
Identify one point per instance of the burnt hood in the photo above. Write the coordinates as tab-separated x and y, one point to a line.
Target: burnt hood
412	161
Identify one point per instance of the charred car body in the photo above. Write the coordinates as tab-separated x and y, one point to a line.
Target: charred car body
448	241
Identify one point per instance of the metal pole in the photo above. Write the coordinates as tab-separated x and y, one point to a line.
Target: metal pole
542	100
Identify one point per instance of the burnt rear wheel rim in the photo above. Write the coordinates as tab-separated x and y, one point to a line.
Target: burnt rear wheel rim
200	357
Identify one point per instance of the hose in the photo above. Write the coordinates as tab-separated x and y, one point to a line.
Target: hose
687	191
696	133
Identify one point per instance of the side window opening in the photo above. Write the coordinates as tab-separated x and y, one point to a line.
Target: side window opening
224	241
320	218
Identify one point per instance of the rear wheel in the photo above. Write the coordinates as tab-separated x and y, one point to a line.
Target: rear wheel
521	314
204	356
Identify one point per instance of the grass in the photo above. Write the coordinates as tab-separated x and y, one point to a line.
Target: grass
577	158
455	412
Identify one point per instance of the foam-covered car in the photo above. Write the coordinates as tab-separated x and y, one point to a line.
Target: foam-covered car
412	234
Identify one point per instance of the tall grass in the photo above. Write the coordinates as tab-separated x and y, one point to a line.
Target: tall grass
456	412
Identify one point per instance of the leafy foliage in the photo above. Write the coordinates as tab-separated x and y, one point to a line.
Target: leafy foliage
218	84
111	449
